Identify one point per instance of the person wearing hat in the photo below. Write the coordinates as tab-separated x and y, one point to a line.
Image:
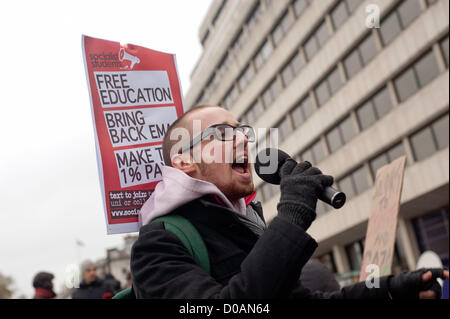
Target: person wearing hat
92	287
42	283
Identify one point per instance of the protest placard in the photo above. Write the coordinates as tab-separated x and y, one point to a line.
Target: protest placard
135	95
382	225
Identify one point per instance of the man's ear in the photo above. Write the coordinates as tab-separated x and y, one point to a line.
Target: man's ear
184	163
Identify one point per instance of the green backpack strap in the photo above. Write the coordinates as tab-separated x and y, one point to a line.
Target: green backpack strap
124	294
189	236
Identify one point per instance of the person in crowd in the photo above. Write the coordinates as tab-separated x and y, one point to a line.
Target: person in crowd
43	285
92	287
113	282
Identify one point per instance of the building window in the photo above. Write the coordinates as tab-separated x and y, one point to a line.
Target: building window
355	252
205	37
360	179
282	28
444	48
354	183
302	111
440	130
366	115
254	112
340	135
246	77
347	130
329	85
284	129
292	68
345	185
423	144
263	54
378	162
334	81
408	11
406	84
340	13
311	47
352	63
219	11
314	154
231	97
395	152
430	139
239	42
382	103
417	76
353	4
316	40
390	27
360	56
300	6
271	93
223	66
322	92
322	34
334	140
375	108
432	233
399	19
386	158
212	84
427	69
253	19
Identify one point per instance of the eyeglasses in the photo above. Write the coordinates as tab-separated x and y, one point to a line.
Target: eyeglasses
221	132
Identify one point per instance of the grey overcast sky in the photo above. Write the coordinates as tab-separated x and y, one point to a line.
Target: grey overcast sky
49	185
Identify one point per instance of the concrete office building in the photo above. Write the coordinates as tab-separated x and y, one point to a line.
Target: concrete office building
347	98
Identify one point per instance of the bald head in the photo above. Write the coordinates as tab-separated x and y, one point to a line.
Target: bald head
185	121
212	160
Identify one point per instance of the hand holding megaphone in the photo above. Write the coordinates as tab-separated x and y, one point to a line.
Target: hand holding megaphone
268	165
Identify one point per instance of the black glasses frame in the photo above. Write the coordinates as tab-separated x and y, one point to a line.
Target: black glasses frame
247	130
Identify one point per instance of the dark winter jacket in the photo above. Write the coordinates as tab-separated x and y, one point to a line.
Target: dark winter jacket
112	282
243	264
97	289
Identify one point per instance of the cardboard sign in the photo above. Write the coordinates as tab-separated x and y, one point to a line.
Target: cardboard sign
382	226
135	95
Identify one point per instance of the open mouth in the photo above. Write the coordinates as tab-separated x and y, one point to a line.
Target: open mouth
240	165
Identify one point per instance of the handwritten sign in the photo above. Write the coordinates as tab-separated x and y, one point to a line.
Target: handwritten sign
382	226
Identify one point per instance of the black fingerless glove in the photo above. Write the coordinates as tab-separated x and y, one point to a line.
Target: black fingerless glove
408	285
300	187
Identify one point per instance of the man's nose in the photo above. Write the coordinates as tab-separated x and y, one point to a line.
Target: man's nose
241	138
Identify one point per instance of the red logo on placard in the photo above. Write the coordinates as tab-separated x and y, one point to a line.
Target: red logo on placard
125	56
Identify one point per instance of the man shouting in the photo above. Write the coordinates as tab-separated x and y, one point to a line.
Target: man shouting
207	180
